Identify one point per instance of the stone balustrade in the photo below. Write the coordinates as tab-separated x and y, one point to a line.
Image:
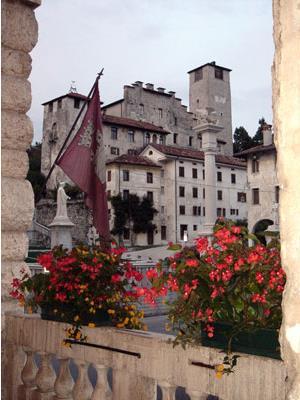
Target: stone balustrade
37	366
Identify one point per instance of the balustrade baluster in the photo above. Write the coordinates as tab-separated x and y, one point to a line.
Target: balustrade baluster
14	360
102	390
168	391
83	388
64	382
44	379
28	375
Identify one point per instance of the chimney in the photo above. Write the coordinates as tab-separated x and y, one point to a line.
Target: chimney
139	83
172	93
161	90
150	86
267	134
213	63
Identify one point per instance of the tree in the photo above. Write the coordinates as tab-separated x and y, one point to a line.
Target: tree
258	137
34	175
134	213
242	140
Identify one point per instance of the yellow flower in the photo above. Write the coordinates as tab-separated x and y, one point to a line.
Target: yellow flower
219	367
131	313
219	370
120	325
145	327
67	344
110	311
219	375
76	318
91	325
126	320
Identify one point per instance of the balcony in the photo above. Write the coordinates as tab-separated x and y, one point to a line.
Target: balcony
140	366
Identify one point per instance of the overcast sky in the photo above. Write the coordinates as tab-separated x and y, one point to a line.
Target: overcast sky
155	41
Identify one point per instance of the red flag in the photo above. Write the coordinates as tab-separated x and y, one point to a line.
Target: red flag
84	163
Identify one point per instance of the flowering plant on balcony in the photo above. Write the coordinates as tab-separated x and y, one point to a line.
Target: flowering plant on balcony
84	286
222	281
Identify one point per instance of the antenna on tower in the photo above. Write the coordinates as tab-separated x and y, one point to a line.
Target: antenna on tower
73	88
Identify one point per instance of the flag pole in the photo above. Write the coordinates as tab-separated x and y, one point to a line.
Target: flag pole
70	132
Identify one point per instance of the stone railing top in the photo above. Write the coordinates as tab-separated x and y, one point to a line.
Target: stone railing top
255	377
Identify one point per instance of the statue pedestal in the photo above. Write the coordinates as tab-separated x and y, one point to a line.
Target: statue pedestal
61	228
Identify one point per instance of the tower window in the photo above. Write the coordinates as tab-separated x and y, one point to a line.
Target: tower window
198	74
181	191
175	138
218	73
220	194
195	193
219	176
76	103
233	178
181	172
160	112
141	109
191	141
50	107
59	103
195	173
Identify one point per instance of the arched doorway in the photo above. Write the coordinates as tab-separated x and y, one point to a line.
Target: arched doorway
260	229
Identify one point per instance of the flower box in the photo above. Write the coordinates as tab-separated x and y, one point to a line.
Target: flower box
262	342
67	313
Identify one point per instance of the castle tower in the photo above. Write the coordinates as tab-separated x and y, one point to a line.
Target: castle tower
59	115
210	89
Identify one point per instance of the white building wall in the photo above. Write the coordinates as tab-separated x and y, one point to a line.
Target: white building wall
172	201
266	181
138	185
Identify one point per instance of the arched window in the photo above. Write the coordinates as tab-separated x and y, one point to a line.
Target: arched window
146	137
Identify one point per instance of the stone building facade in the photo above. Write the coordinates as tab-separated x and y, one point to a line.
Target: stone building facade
121	135
263	184
209	88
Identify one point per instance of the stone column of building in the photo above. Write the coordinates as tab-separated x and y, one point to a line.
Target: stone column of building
208	131
286	105
19	36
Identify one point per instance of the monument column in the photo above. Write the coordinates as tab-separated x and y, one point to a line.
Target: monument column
208	130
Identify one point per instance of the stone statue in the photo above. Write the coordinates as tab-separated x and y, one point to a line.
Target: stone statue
62	198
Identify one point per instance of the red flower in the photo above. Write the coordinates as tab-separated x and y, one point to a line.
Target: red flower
192	262
116	278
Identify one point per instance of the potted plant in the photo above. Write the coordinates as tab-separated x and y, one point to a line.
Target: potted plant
228	293
84	286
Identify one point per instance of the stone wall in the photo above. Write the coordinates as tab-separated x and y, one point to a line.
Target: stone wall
77	212
286	105
19	36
